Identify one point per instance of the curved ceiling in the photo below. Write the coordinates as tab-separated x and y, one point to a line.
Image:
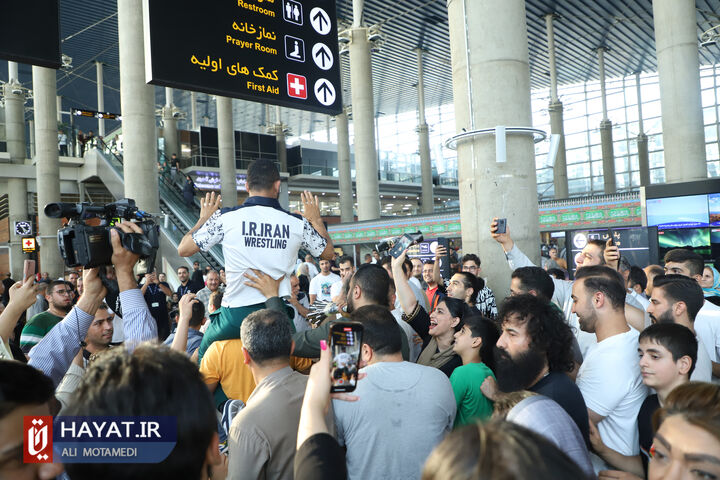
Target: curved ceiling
89	33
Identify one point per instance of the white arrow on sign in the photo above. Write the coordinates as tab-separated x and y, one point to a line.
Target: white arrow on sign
324	92
320	20
322	56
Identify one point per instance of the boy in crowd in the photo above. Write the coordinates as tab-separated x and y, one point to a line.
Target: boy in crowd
667	359
474	343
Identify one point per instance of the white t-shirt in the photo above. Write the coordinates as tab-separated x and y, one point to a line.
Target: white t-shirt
707	328
610	382
336	288
258	234
321	285
703	365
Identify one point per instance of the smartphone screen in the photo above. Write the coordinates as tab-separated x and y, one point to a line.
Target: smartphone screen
501	225
403	242
345	343
28	269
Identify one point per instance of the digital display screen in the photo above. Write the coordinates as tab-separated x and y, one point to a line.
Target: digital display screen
715	243
694	239
30	32
280	52
345	344
634	244
714	208
679	212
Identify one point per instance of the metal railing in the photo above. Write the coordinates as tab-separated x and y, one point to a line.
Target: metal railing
172	200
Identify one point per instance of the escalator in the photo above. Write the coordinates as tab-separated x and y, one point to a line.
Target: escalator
179	218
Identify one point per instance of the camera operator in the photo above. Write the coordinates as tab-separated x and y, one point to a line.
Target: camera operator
55	352
259	234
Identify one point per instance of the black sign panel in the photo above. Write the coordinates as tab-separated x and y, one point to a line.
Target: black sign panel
30	32
93	114
280	52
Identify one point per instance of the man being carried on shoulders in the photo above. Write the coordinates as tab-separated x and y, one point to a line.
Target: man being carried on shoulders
259	234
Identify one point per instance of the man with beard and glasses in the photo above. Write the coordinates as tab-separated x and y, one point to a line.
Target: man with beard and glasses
678	299
369	285
609	378
534	352
60	301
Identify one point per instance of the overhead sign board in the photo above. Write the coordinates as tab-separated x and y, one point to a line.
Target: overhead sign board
30	32
93	114
280	52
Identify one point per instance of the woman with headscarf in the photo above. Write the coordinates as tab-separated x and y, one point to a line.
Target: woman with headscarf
710	282
445	320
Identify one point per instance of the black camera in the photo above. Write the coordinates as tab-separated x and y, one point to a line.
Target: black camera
396	245
89	245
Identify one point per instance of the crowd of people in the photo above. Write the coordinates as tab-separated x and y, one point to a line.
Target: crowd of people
611	375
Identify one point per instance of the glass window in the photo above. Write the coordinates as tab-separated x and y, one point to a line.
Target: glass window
620	148
710	115
657	160
657	175
578	186
577	155
711	151
713	169
621	164
711	133
708	97
651	109
578	170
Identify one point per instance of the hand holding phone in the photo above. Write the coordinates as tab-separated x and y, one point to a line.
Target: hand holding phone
28	268
345	345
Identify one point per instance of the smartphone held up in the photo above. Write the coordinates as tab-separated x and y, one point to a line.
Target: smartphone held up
345	345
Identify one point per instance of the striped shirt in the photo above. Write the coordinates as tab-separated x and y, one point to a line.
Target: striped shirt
34	331
53	355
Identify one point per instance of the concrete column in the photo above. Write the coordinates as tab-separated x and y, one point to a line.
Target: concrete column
606	139
280	141
344	172
642	140
100	97
489	46
193	110
428	205
16	187
366	159
31	131
327	128
170	133
58	107
137	101
560	179
226	151
47	166
676	42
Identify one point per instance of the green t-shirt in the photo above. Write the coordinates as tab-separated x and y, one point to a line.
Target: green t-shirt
36	329
472	405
